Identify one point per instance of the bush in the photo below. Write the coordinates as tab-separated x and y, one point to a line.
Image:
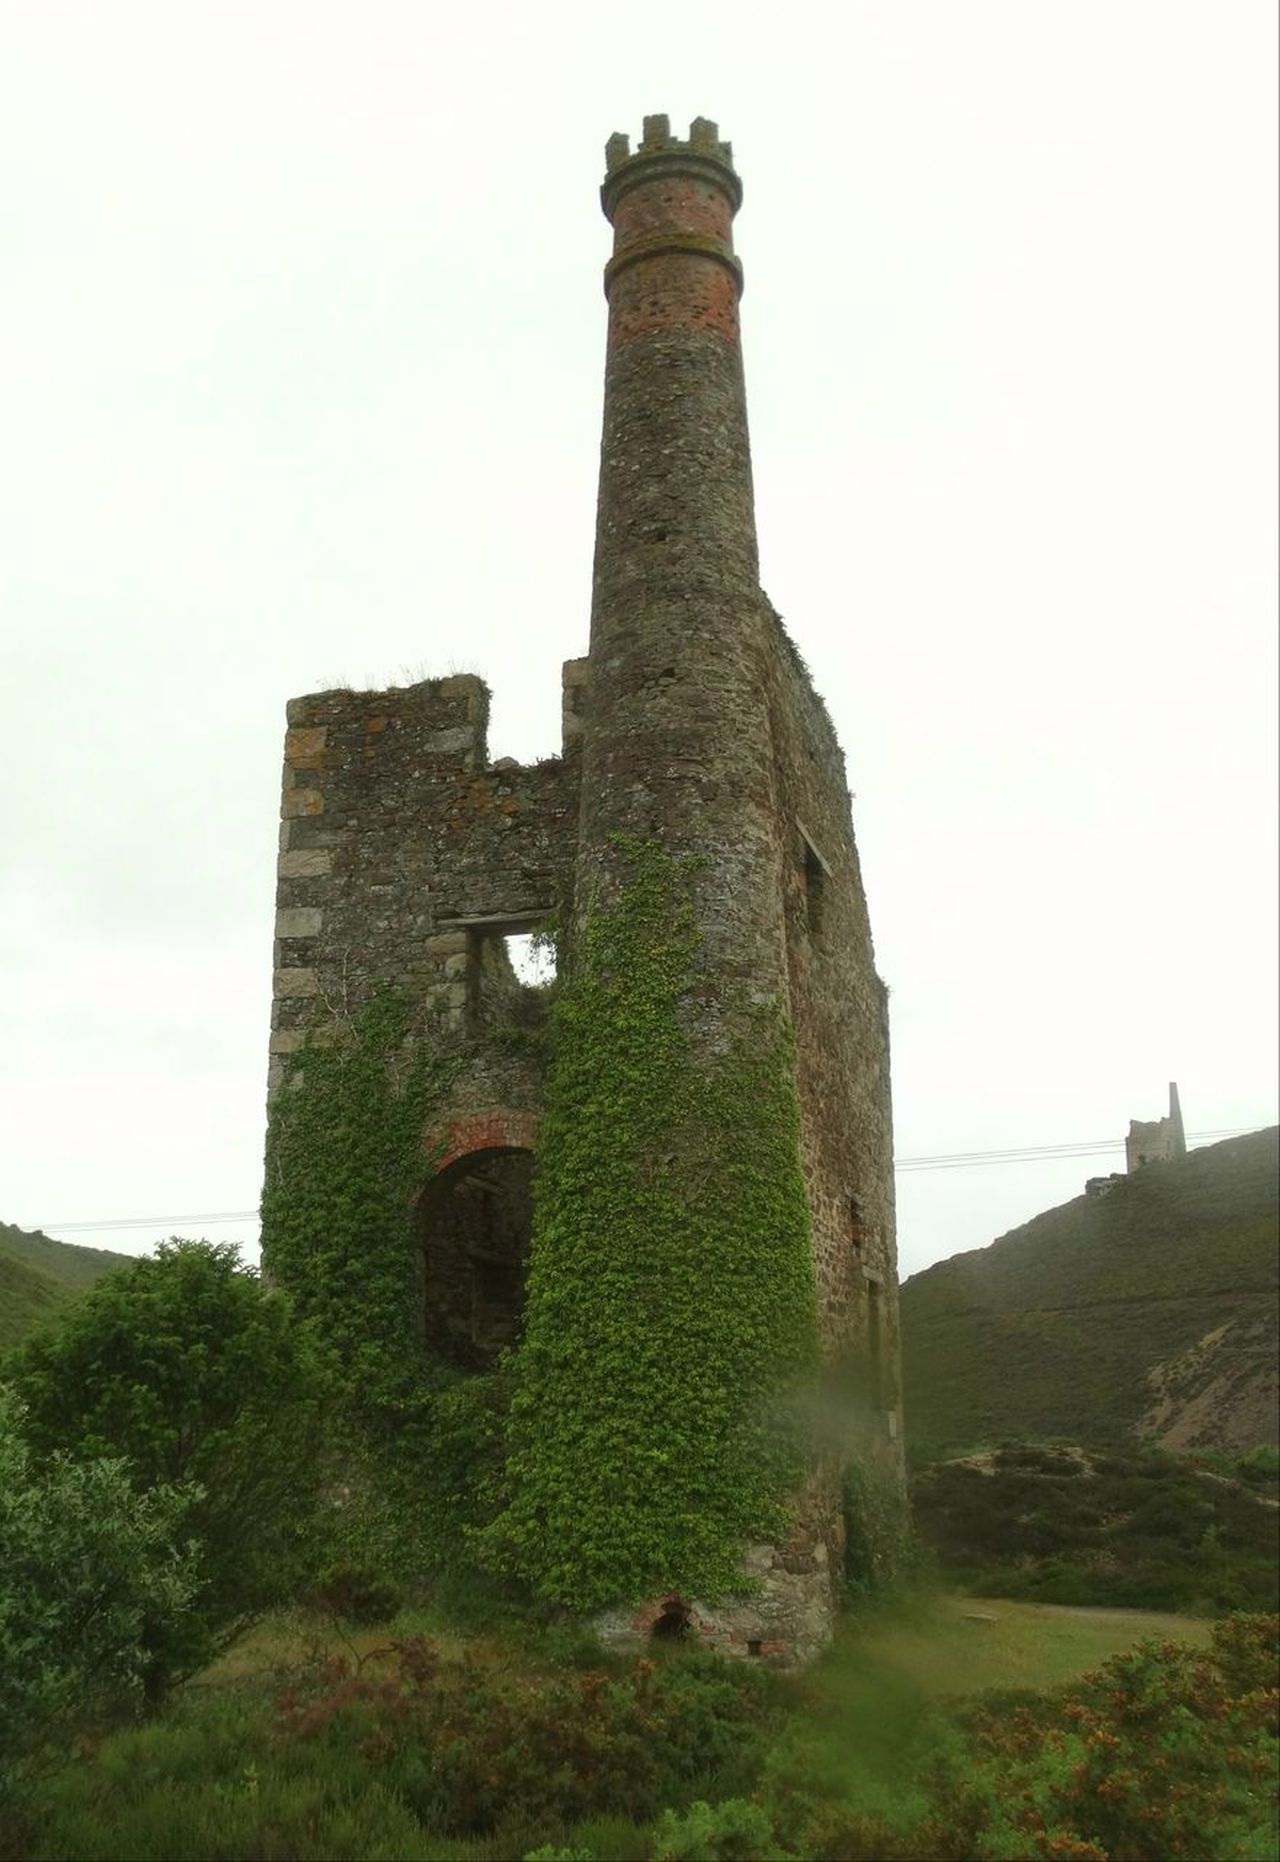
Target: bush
474	1751
734	1831
91	1576
1164	1752
206	1785
185	1365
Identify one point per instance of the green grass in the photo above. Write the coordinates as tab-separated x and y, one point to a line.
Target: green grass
963	1645
1051	1330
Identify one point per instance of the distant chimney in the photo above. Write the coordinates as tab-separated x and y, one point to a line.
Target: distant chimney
1177	1135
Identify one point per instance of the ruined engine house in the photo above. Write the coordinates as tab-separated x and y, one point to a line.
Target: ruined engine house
409	859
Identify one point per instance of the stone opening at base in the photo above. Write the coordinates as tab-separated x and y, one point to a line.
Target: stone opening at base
473	1229
672	1623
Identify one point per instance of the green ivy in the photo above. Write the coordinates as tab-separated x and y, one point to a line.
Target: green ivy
671	1292
345	1161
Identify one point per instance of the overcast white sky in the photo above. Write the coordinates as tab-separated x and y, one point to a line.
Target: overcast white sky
302	344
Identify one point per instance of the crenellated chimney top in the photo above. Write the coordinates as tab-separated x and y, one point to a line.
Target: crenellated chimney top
703	157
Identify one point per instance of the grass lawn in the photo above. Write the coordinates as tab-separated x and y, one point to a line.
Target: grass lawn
960	1645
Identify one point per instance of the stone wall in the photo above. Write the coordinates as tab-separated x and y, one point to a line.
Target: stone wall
404	859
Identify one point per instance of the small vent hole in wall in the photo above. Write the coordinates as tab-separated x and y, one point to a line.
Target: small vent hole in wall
673	1624
533	958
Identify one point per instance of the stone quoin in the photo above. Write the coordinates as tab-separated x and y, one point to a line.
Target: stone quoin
408	858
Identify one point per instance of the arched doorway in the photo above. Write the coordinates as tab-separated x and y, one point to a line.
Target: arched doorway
473	1227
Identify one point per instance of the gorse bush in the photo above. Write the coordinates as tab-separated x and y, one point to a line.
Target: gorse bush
1165	1752
185	1366
473	1750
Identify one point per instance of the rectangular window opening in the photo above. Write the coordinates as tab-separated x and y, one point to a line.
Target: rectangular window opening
532	955
816	875
814	888
857	1227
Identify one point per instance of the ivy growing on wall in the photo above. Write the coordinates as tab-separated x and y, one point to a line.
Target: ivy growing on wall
671	1295
345	1161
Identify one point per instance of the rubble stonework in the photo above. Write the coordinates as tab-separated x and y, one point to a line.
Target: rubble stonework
407	858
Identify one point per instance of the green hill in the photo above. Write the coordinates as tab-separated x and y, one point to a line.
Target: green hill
37	1275
1129	1528
1149	1311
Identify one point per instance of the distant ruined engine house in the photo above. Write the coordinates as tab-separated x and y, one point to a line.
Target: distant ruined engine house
408	859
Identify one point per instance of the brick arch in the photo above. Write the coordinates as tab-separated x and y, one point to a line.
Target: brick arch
502	1128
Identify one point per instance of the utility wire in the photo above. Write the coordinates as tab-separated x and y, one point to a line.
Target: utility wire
953	1160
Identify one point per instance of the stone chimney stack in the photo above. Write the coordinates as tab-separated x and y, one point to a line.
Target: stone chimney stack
676	744
1178	1136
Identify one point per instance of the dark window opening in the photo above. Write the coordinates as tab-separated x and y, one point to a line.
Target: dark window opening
857	1228
673	1624
875	1343
815	886
473	1228
753	1645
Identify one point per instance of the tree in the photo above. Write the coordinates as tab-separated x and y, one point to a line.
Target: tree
191	1369
93	1575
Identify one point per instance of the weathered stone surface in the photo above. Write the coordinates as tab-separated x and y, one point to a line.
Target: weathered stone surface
296	982
298	921
305	863
304	747
302	802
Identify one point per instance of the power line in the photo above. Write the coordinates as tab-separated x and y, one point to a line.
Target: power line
952	1160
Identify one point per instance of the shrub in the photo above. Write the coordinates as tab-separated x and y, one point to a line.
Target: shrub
91	1576
474	1751
1165	1752
734	1831
185	1365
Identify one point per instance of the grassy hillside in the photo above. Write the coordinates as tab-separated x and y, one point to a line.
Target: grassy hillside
1100	1315
1133	1529
37	1275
